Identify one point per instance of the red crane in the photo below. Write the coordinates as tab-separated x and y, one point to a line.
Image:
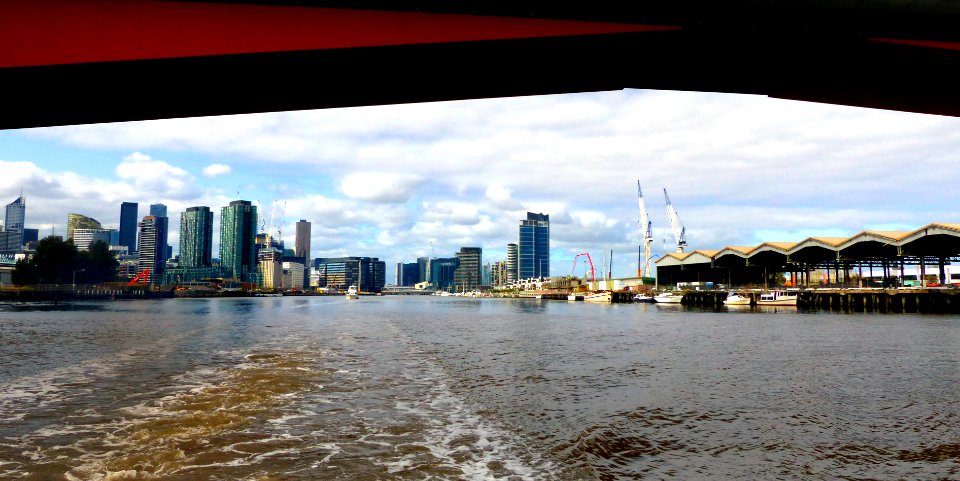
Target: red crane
592	276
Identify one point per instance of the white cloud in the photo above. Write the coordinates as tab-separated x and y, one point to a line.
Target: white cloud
214	170
379	187
401	177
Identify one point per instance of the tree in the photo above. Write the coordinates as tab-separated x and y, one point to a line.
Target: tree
98	263
25	273
55	260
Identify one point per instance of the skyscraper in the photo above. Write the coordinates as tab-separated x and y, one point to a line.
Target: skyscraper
79	221
238	232
534	247
149	235
469	274
302	245
12	234
196	237
511	274
129	214
160	212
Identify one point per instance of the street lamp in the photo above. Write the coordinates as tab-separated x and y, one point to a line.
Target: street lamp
75	277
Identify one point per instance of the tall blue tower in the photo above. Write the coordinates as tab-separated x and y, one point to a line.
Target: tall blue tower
534	247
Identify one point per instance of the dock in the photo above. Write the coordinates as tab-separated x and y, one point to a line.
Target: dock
918	300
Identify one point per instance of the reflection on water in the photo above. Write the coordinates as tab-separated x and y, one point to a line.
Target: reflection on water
440	388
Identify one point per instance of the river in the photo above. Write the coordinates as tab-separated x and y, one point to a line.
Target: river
424	388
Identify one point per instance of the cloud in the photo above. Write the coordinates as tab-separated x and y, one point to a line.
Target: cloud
394	180
379	187
214	170
144	174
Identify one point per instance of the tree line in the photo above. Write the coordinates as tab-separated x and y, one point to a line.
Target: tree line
55	262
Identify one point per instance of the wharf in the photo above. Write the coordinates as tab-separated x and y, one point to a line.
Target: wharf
922	300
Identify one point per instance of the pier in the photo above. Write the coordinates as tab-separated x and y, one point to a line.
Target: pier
928	301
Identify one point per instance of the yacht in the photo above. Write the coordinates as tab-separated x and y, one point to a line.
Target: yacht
352	292
734	299
777	298
668	298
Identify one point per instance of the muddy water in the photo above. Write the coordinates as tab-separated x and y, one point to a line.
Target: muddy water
441	388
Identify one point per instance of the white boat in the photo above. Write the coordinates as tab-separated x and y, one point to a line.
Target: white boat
777	298
353	293
734	299
574	297
643	298
601	297
668	298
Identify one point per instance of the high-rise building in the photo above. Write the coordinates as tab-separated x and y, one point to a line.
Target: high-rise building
78	221
84	238
160	212
115	237
468	275
149	236
424	274
533	250
302	243
408	274
238	231
367	273
511	274
196	237
11	235
442	272
270	264
129	214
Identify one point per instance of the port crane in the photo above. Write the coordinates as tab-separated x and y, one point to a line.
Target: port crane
646	233
592	273
679	232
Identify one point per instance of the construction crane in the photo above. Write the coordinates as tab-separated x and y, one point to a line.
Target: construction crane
140	278
592	273
646	234
679	233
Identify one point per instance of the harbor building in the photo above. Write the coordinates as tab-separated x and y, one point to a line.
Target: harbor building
533	250
238	231
150	256
867	259
196	237
468	275
129	214
79	221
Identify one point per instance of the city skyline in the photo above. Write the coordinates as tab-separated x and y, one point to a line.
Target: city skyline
408	181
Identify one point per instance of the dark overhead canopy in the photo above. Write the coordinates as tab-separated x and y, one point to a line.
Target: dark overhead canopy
87	61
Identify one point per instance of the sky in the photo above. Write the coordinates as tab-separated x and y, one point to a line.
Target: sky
402	181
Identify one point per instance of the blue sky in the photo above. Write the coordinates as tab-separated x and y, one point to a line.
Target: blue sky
403	181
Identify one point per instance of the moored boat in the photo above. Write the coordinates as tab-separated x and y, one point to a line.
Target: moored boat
352	293
777	298
600	297
668	298
734	299
643	298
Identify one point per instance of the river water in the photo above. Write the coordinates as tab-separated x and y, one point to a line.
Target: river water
420	388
